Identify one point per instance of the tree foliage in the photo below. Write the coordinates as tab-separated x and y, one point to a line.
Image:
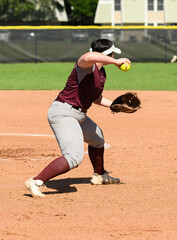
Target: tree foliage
78	11
81	12
15	9
28	10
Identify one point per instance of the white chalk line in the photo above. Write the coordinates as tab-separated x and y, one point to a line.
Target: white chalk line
106	145
26	135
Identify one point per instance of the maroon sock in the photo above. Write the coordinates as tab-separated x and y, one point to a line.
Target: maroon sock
56	167
97	160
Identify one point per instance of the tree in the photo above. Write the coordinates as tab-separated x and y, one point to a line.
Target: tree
28	10
14	10
81	12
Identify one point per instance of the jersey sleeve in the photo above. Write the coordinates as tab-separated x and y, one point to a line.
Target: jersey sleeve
82	72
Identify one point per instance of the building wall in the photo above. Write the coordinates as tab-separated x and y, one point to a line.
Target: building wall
118	17
171	15
103	12
136	12
133	11
156	17
61	15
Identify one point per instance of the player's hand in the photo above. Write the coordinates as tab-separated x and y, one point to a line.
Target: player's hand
121	61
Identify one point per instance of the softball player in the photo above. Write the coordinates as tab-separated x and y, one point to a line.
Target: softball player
68	118
174	59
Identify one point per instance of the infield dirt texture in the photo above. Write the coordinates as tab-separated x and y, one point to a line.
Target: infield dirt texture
142	153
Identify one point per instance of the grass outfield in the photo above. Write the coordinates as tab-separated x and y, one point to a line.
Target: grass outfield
53	76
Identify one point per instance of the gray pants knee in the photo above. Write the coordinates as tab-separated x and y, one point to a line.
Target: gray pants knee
71	128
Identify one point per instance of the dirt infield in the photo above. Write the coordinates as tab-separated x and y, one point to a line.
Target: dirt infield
142	153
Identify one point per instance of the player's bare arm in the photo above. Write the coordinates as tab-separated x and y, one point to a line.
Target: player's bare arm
103	101
88	59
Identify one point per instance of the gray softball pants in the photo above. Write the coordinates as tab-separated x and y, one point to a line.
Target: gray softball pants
72	128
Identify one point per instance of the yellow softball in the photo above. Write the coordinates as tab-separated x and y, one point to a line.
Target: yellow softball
124	68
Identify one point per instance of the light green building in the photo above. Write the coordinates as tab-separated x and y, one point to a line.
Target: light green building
136	12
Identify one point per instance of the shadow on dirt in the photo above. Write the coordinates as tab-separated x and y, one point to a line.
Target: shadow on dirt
63	185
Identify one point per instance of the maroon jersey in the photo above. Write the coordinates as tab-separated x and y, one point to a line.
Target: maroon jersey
83	86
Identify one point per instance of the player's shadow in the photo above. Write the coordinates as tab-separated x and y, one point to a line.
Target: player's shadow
65	185
62	185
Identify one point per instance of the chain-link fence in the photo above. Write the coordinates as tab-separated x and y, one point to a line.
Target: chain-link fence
56	45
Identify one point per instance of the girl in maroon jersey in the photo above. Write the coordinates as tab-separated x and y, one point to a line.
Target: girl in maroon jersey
68	118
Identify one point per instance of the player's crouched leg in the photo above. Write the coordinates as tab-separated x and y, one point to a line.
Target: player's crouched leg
57	167
74	158
100	175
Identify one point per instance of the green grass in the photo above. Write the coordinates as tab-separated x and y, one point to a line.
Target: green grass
144	76
53	76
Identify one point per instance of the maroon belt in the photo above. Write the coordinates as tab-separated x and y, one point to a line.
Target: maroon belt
75	107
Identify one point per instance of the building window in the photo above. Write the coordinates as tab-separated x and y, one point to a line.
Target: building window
150	5
160	5
117	5
155	5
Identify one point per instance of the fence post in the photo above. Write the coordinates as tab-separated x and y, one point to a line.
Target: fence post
35	48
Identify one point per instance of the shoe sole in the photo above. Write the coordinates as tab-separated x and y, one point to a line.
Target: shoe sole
92	183
105	183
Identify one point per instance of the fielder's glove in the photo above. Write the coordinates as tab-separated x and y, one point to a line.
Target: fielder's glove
127	103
